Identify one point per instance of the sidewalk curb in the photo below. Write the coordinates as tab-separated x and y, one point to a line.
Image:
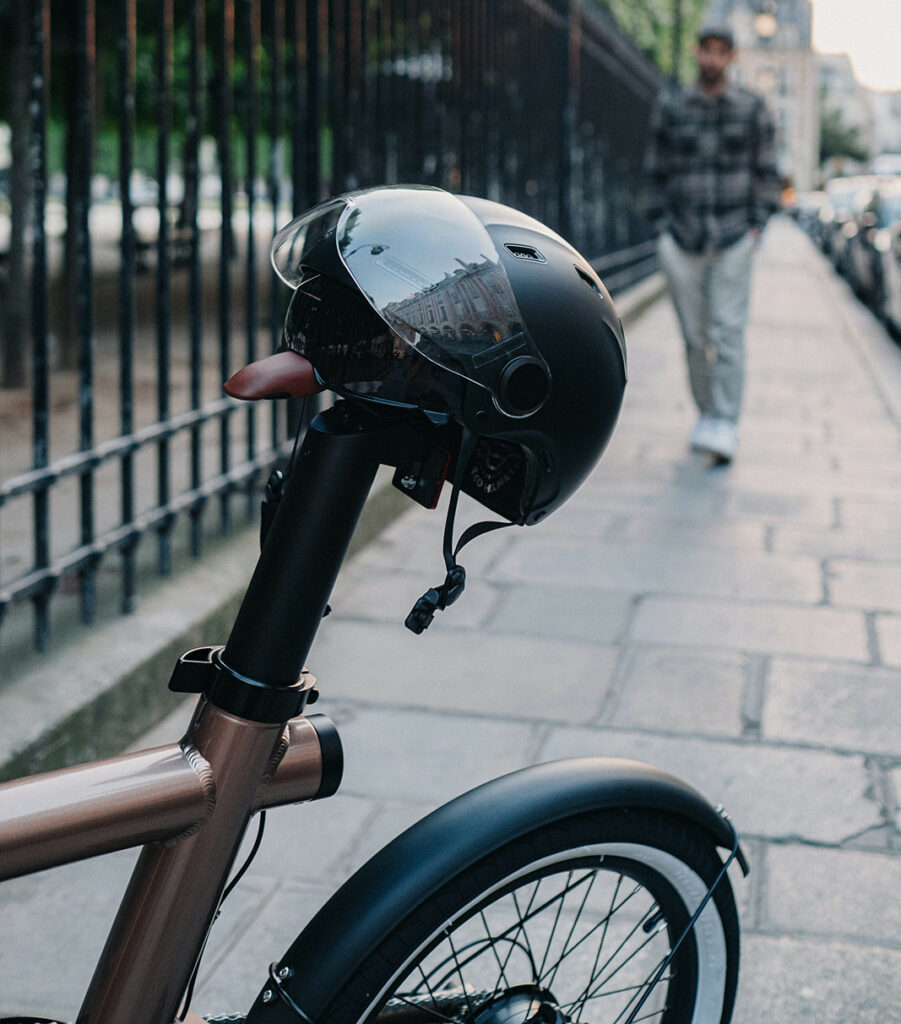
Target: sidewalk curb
99	693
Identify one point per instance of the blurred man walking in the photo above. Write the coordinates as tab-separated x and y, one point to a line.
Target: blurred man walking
712	184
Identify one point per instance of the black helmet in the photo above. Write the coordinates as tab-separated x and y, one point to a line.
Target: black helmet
463	308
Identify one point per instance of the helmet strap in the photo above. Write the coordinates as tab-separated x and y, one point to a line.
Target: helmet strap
438	598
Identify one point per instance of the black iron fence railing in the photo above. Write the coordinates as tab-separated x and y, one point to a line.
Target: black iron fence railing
159	148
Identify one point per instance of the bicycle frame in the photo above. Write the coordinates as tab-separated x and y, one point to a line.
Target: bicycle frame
246	747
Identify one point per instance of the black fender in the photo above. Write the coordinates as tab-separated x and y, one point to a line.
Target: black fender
419	861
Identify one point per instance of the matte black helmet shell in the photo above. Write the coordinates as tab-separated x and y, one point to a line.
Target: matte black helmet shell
411	296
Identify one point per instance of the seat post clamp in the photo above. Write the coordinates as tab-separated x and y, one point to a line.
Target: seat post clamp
202	670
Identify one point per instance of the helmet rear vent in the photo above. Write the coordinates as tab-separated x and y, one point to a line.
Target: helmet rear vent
587	278
525	252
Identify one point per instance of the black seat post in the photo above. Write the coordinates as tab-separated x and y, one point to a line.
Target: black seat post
305	546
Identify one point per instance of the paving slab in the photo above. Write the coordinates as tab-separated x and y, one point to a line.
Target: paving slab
689	692
662	567
888	633
857	545
588	613
830	982
816	632
873	587
530	678
809	888
845	707
770	791
55	924
862	512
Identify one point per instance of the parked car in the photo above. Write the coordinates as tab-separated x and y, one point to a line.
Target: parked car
884	240
861	264
807	209
839	226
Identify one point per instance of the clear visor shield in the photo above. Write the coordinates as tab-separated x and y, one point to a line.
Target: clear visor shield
295	240
429	268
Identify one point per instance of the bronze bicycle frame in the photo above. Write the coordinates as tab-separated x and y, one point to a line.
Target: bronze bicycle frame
189	803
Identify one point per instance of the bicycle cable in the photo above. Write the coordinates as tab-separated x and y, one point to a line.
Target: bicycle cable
301	413
192	981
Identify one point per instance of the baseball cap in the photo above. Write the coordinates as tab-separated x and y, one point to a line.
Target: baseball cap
717	32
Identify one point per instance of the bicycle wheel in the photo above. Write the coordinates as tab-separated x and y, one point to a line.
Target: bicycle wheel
569	923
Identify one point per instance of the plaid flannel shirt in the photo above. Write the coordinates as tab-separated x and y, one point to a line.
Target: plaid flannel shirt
710	166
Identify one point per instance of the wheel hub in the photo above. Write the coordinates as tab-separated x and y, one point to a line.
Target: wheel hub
523	1004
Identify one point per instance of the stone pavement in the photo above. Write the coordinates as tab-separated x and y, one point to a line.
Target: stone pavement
739	627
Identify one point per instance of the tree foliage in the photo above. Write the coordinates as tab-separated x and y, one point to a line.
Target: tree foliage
653	26
838	138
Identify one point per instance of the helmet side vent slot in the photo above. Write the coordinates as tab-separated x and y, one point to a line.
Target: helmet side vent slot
587	278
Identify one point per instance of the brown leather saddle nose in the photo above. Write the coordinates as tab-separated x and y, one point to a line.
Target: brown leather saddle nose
281	375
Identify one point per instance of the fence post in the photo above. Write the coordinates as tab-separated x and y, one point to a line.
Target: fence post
40	361
127	57
573	76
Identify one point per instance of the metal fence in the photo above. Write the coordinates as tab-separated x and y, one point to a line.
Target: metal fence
148	287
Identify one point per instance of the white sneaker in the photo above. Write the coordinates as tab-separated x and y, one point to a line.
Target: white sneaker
702	434
715	437
723	440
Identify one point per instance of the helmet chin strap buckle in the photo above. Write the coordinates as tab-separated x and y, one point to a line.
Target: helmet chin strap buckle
435	599
438	598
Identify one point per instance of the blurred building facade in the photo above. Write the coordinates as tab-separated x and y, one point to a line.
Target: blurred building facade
885	108
776	59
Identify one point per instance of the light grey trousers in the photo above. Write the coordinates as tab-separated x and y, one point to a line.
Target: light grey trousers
710	291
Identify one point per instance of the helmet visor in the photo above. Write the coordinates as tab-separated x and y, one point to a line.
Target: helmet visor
429	268
293	243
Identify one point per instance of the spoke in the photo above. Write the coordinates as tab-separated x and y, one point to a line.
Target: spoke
465	956
452	965
522	929
597	956
419	1007
450	942
632	1019
648	1016
426	981
626	988
600	924
650	983
550	940
578	917
645	987
612	957
509	934
492	944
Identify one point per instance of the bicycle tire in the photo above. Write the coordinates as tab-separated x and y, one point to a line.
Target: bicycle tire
660	864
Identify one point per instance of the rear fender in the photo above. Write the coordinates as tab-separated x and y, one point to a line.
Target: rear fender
413	866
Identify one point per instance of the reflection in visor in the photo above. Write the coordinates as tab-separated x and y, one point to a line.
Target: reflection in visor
430	268
354	351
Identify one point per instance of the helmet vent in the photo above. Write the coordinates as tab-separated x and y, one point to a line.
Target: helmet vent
525	252
524	387
592	284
